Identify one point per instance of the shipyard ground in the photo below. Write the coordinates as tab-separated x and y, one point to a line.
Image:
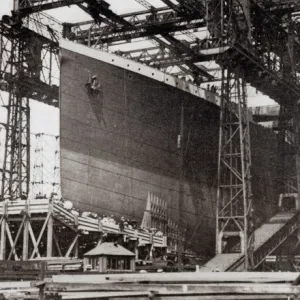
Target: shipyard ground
206	286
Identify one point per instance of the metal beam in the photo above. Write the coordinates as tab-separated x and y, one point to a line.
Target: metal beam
125	16
173	6
152	27
109	35
25	8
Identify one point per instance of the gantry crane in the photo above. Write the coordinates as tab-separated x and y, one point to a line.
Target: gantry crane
252	42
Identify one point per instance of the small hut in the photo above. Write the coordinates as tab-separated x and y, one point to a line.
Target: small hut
109	257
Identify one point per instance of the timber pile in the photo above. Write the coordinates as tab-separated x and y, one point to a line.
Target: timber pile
22	270
208	286
202	286
18	290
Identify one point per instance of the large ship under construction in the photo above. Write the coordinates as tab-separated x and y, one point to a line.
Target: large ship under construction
120	144
161	166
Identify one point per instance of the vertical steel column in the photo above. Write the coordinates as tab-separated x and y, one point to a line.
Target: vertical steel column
234	198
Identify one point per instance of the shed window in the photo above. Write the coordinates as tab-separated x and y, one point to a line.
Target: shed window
118	263
94	262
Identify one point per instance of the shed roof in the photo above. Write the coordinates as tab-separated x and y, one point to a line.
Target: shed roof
109	249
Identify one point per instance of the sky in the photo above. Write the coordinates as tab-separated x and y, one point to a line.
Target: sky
45	118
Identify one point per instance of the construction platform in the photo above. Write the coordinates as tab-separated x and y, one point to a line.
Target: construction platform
42	228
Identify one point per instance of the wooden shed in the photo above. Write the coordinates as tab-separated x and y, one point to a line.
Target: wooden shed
109	257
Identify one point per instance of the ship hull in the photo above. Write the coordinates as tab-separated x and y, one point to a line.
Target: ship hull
123	144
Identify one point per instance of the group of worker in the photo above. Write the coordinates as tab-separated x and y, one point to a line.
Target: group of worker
212	88
123	223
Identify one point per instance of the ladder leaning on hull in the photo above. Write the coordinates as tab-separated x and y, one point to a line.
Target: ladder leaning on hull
267	238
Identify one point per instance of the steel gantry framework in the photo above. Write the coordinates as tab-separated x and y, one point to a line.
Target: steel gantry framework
27	61
250	40
16	158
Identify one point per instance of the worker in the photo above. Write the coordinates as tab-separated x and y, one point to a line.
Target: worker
94	83
122	225
23	197
93	86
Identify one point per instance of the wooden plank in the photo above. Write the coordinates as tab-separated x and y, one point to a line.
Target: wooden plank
219	288
181	277
200	288
35	207
181	295
15	284
65	213
187	297
104	295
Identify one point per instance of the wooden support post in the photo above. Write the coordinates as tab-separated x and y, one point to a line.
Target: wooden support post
151	248
25	239
42	278
35	250
50	230
136	249
8	233
13	248
33	240
57	245
3	233
72	246
219	244
26	232
76	248
50	237
76	245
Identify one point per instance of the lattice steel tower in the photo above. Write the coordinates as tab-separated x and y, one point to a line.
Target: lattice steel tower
230	23
16	170
234	199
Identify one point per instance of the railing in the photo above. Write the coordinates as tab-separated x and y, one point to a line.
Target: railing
43	206
265	247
